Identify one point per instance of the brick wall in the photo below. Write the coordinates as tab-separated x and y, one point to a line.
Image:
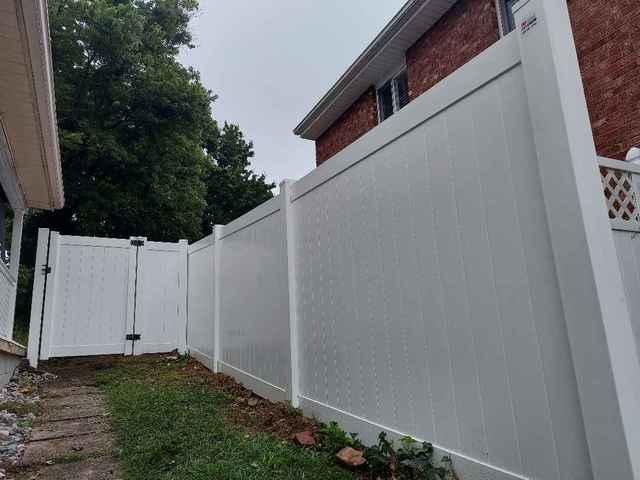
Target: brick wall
469	28
607	36
426	66
361	117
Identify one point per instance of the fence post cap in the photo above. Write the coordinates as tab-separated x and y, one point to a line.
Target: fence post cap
633	155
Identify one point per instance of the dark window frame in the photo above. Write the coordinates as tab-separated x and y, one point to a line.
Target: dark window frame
507	20
397	102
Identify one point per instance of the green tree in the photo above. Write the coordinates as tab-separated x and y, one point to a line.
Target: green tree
141	153
233	188
133	122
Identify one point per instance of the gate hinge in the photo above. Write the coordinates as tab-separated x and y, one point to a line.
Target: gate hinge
137	243
133	336
46	269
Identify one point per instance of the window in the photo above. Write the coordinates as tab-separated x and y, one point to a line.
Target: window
506	15
393	95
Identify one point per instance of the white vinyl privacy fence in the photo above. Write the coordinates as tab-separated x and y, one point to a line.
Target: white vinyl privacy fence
451	276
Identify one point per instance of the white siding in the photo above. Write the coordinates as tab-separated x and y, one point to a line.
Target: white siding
7	295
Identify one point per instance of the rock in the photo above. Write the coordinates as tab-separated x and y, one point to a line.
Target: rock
22	389
252	402
305	439
351	457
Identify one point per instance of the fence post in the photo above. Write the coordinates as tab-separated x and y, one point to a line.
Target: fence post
37	298
50	296
182	279
289	221
596	314
217	340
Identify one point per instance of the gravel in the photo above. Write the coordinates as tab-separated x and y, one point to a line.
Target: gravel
18	400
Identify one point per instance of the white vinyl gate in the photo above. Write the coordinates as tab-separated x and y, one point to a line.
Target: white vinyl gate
95	296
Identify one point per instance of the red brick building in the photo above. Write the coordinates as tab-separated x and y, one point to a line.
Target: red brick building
430	39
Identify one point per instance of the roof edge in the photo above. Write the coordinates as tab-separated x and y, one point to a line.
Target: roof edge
384	37
36	27
412	11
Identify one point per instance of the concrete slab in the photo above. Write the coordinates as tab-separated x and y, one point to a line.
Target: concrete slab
66	449
70	413
89	469
69	428
72	401
53	392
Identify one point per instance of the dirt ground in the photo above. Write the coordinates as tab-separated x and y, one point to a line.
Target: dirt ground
72	437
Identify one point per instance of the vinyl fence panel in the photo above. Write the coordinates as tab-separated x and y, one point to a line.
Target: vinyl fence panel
254	315
428	299
200	327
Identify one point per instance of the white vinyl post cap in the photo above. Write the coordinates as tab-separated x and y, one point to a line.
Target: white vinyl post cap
633	155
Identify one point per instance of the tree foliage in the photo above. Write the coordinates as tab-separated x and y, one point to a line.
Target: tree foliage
232	188
141	153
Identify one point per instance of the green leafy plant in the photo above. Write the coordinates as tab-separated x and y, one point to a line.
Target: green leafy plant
333	438
409	461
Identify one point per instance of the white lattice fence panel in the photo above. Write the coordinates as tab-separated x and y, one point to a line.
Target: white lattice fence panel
621	198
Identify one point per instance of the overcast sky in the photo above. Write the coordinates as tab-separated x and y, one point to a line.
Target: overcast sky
270	61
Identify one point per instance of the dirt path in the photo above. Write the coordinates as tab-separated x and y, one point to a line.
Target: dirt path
71	438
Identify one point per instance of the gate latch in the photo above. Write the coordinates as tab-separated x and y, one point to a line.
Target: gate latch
46	269
137	243
133	336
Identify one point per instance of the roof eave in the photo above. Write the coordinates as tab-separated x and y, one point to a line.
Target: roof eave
36	24
412	13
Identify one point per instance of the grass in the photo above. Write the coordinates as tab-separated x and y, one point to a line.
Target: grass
170	427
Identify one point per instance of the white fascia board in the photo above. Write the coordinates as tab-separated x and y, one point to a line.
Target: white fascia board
36	29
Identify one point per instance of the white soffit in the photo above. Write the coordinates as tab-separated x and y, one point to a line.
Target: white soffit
385	52
27	102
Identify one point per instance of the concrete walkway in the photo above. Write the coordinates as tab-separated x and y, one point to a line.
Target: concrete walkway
72	437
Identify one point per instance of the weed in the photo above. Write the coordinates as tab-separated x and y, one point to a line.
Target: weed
25	423
333	438
409	460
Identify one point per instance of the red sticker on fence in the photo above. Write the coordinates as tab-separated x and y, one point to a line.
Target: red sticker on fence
528	24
